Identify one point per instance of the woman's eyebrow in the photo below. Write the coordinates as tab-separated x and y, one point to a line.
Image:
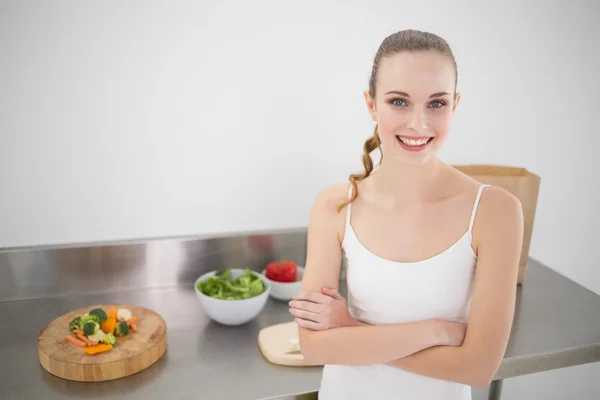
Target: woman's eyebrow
438	94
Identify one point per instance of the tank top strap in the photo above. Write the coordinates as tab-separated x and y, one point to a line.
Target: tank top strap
349	206
472	221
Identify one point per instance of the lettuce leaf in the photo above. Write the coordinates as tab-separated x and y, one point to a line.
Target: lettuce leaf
222	286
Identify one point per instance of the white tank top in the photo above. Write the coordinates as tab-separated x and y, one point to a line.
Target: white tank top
382	291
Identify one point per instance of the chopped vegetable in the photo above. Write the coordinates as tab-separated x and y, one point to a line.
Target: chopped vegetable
100	313
221	286
109	338
90	328
100	348
97	337
87	317
224	273
122	329
123	314
76	341
109	325
75	324
89	342
281	271
97	330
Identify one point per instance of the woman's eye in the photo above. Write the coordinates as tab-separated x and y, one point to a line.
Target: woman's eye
398	102
437	104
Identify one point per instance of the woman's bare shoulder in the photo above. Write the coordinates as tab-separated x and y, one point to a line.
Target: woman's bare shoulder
492	198
497	206
497	202
331	197
326	208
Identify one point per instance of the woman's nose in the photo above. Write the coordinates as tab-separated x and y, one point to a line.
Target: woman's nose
417	119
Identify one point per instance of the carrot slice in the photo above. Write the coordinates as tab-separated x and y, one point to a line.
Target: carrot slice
76	341
132	321
98	348
77	331
87	341
134	327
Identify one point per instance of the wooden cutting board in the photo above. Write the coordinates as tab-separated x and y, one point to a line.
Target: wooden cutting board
279	345
131	354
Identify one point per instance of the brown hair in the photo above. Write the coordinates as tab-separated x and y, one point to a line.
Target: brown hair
406	40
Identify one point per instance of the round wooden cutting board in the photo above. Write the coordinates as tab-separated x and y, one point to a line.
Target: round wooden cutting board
131	354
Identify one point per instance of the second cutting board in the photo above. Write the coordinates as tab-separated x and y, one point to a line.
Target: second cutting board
279	345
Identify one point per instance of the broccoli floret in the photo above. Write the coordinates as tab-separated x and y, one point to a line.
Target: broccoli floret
90	328
96	315
109	338
76	324
98	312
122	329
87	317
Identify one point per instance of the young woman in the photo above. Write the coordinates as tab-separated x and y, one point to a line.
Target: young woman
431	254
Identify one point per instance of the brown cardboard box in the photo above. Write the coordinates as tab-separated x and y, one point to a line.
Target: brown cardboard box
522	183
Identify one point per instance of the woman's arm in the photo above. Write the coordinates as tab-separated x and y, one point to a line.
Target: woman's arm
356	345
499	230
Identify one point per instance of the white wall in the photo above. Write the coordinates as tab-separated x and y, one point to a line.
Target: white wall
138	119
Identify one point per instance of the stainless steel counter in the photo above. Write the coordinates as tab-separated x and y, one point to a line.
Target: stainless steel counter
557	324
204	360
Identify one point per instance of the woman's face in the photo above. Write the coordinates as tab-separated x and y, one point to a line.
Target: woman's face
414	105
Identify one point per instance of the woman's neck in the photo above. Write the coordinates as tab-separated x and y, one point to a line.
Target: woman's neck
407	184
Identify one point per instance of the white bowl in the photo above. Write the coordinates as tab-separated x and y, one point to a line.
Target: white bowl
286	290
232	312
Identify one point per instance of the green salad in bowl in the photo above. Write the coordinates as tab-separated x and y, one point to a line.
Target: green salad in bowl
232	296
223	286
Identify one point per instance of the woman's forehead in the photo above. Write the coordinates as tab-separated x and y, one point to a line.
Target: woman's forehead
416	73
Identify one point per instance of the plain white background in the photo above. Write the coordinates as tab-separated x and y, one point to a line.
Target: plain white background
126	120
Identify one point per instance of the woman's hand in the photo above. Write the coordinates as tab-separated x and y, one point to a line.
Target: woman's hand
450	333
321	311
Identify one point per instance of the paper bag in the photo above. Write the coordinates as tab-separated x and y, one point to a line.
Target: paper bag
522	183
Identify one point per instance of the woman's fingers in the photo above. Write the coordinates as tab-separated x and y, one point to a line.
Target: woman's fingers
307	311
313	309
320	311
306	305
308	315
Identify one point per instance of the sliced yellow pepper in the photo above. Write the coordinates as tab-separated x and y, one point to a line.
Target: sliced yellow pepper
100	348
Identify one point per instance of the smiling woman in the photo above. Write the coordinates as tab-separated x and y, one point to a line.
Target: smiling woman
431	254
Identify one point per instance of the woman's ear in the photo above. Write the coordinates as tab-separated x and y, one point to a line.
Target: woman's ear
370	105
456	101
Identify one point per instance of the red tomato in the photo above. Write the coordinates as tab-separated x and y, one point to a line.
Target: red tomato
281	271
